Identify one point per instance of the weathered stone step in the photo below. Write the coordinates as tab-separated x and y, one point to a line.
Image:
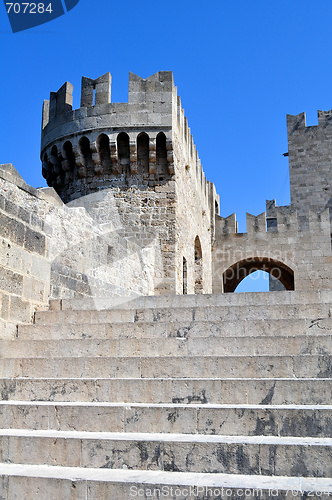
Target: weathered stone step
42	482
180	329
205	300
250	420
306	366
171	346
193	314
175	390
264	455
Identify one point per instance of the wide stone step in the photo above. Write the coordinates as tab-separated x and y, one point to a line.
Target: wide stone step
264	455
180	329
193	314
237	420
205	300
175	390
306	366
171	346
42	482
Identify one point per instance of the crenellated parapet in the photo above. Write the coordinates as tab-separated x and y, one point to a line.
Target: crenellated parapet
283	219
104	144
310	153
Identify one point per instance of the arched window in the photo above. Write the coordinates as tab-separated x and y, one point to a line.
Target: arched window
123	153
57	172
46	169
198	266
143	153
240	270
84	145
161	156
185	277
68	157
103	146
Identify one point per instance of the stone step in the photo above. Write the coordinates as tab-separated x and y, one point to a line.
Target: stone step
237	420
42	482
306	366
171	346
192	314
185	301
180	329
215	391
264	455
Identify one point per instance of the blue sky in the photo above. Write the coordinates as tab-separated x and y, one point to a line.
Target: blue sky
239	66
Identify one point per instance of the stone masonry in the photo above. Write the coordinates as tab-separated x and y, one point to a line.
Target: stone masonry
121	374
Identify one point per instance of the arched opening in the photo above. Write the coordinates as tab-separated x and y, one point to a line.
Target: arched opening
161	156
68	157
143	153
85	149
46	169
103	147
257	281
123	153
56	165
198	267
184	277
240	270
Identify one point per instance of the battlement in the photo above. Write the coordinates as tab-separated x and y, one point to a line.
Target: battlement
298	122
96	97
276	219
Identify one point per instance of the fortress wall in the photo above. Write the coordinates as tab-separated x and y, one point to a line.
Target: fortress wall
194	215
310	162
305	251
50	250
24	264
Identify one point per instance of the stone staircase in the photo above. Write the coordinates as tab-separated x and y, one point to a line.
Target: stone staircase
206	396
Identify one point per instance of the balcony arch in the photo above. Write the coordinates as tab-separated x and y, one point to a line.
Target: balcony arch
143	153
161	156
104	152
243	268
123	153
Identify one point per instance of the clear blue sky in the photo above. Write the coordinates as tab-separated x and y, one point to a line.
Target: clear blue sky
239	66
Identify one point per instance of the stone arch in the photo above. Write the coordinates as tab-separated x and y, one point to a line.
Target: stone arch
243	268
56	165
198	266
68	163
161	156
85	150
104	152
46	169
123	152
143	153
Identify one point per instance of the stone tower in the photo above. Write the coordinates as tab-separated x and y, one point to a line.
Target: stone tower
135	163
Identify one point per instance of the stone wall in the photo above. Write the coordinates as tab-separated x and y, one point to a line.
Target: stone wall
310	151
292	247
50	250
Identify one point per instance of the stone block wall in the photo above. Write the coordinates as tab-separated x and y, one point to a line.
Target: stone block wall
310	164
24	266
50	250
304	250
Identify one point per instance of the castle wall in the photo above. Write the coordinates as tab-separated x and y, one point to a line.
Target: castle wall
50	250
310	153
306	250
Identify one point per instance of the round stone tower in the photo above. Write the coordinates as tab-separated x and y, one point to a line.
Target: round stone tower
138	163
106	144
